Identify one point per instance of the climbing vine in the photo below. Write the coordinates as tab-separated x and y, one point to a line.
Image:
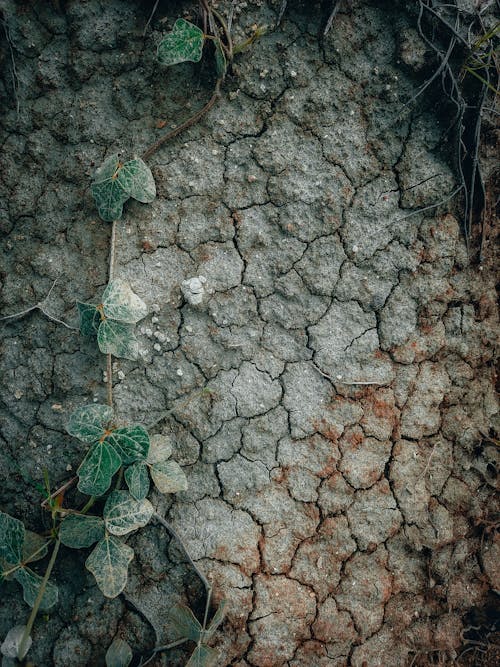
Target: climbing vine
122	459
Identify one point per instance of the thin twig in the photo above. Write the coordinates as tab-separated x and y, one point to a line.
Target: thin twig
40	306
60	490
23	649
184	126
150	18
176	536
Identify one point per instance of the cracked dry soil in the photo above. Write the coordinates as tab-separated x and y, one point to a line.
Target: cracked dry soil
345	523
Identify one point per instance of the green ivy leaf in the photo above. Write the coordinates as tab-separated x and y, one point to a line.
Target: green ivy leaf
30	581
202	656
88	422
90	318
34	547
11	538
109	167
123	514
80	531
137	479
109	563
131	443
118	339
137	180
184	43
185	622
160	449
97	469
169	477
109	197
121	304
220	60
119	654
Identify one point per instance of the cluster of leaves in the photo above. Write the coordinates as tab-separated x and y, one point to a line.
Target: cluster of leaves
18	548
185	44
112	321
115	182
130	446
124	511
188	627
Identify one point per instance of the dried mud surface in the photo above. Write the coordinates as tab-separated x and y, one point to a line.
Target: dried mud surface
341	488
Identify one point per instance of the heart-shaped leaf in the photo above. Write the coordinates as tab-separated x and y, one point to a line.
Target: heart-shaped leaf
184	43
80	531
109	563
202	656
97	469
137	180
123	514
90	318
160	449
12	642
118	339
185	622
169	477
11	538
131	443
88	422
137	478
107	169
109	197
34	547
121	304
119	654
31	582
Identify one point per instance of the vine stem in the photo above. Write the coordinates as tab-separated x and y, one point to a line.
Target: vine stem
111	272
22	650
184	126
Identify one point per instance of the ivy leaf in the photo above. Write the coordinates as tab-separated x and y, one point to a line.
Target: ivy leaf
118	339
137	479
121	304
97	469
80	531
137	180
34	547
220	60
184	43
11	538
12	642
131	443
109	197
123	514
203	656
109	563
31	582
119	654
88	422
109	167
185	622
217	619
160	449
90	318
169	477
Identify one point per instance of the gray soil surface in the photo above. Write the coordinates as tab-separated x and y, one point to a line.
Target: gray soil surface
331	394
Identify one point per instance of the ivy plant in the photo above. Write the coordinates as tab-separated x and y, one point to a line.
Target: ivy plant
112	320
18	547
115	182
110	447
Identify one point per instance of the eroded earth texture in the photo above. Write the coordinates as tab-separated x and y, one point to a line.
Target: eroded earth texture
330	396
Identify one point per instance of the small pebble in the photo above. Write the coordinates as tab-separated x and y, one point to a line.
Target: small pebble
157	347
155	308
121	375
155	320
180	372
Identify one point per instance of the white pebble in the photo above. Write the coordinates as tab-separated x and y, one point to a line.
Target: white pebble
155	308
180	372
121	375
157	347
155	320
